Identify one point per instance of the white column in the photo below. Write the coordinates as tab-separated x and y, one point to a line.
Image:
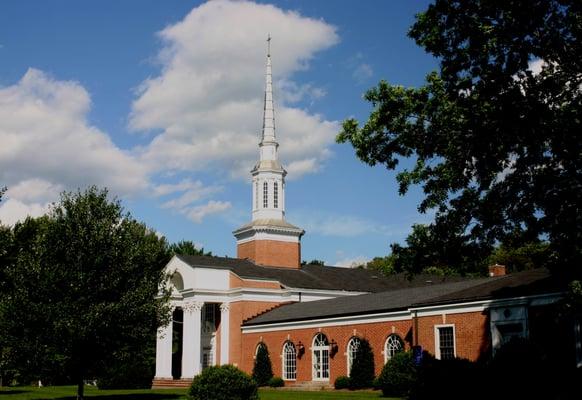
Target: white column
164	352
224	332
191	339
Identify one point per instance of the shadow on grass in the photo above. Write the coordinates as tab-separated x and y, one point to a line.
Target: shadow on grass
128	396
8	392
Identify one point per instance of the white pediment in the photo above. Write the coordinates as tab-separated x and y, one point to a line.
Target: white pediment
192	278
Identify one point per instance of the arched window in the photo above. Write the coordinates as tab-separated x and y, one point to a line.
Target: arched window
177	281
289	361
276	195
256	194
320	358
393	345
265	195
260	345
353	345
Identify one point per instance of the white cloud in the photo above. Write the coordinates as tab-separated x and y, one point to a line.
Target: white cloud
535	66
13	210
198	213
207	101
338	225
363	72
352	262
49	146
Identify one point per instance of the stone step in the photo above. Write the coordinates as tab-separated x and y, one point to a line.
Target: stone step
171	383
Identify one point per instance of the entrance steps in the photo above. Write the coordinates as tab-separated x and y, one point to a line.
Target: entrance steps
171	383
308	386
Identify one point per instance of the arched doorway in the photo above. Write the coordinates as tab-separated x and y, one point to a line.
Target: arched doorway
320	358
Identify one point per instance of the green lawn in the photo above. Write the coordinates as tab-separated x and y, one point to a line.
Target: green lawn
68	393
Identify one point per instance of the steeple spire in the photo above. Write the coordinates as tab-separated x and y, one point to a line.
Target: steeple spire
268	111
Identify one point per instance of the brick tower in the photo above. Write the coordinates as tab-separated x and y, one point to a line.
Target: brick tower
268	239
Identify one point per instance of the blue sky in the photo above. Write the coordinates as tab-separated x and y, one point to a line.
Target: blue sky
161	103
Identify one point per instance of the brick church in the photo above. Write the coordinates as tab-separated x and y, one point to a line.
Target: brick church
311	317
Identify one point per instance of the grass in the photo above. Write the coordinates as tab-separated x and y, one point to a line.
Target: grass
69	392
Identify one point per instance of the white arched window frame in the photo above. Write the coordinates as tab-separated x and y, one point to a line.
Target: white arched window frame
393	345
320	358
289	362
276	195
265	195
259	345
353	346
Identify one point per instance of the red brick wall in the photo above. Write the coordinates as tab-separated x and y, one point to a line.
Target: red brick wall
271	252
471	333
236	282
375	333
240	311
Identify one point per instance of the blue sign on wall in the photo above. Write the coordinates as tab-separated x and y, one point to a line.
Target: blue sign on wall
417	355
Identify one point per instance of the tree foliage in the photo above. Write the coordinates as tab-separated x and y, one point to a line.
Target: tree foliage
187	247
362	370
262	369
495	144
225	382
83	289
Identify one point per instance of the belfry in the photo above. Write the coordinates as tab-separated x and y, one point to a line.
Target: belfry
269	239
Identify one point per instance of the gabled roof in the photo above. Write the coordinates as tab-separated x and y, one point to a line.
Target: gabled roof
316	276
397	299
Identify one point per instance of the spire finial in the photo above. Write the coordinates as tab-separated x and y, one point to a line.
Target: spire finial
269	111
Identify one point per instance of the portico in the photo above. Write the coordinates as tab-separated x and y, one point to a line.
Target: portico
202	325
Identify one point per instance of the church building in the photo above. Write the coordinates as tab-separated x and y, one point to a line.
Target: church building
311	318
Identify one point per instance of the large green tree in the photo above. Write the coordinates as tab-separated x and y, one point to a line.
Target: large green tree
495	135
83	289
187	247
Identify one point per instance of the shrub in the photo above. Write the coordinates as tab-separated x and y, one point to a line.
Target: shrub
276	381
225	382
362	370
262	370
398	375
519	366
342	382
448	379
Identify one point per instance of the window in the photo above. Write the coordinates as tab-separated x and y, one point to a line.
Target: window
265	195
289	361
320	358
393	345
353	345
445	342
276	195
258	347
208	320
256	194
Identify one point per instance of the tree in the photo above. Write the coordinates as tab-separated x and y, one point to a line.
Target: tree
187	247
495	143
362	370
314	262
262	370
83	289
384	265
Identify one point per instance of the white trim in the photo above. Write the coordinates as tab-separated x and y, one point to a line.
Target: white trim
284	360
321	350
326	322
350	361
477	306
437	344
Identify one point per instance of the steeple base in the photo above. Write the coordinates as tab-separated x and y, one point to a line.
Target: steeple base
274	243
271	252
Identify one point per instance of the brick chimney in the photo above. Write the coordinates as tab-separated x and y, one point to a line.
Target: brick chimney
496	270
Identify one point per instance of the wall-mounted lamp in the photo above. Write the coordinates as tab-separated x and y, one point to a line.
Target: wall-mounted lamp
300	349
333	348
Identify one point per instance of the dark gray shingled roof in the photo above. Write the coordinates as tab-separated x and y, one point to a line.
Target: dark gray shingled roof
518	284
316	276
526	283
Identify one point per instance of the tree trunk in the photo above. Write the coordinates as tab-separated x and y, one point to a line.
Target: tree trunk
80	390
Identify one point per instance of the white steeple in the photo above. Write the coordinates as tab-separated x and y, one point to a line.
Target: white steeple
268	174
268	239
